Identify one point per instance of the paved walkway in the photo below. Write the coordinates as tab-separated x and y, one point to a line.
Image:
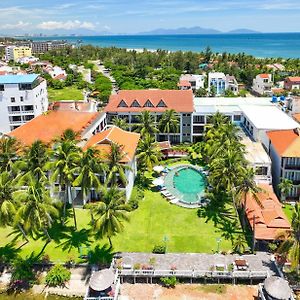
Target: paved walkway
198	261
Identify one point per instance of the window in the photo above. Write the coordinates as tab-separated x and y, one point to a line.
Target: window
237	118
199	119
148	104
135	104
122	104
161	103
1	87
21	98
12	99
261	171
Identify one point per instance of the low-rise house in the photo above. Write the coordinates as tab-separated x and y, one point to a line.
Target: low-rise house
262	85
196	81
27	60
292	83
265	215
15	53
56	72
284	150
232	84
219	81
22	98
184	85
128	104
128	142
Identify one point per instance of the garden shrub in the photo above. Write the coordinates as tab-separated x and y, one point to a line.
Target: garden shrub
159	249
58	276
169	282
136	196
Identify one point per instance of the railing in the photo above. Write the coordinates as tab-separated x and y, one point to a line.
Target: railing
28	111
195	273
14	112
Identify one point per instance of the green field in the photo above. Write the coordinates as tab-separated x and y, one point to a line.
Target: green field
288	210
67	93
149	224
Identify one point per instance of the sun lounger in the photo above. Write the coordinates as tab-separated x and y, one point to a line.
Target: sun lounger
174	201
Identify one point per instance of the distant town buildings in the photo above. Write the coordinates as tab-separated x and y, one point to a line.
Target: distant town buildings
22	98
39	47
292	83
15	53
262	85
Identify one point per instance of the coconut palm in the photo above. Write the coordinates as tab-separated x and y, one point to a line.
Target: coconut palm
8	153
69	135
239	244
146	124
65	158
121	123
285	186
37	210
115	164
290	245
88	171
169	122
34	161
110	213
148	152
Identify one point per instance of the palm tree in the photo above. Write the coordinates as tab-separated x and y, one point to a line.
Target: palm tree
169	122
146	124
110	213
121	123
115	165
88	171
290	245
34	161
37	210
69	135
239	244
8	153
65	158
285	186
148	152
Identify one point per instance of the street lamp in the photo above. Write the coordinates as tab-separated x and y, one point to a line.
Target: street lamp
218	240
165	239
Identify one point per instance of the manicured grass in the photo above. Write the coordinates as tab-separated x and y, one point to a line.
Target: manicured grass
67	93
288	210
149	224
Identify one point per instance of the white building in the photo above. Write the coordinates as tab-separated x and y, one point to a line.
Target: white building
14	52
262	85
196	81
56	72
27	60
22	98
219	81
232	84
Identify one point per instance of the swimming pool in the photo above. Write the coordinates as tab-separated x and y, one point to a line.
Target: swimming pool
186	183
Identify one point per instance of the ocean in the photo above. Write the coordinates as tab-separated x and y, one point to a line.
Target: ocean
286	45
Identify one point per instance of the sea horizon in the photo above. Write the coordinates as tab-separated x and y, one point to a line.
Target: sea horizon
285	45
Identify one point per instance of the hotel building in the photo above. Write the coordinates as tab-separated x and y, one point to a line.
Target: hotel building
15	53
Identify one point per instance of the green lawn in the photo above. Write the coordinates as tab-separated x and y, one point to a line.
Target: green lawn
149	224
67	93
288	210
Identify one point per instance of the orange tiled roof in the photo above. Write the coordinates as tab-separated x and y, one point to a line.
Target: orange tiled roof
180	101
264	76
285	142
184	83
269	217
102	141
71	106
294	79
51	125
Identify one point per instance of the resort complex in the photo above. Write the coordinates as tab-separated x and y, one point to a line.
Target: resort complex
120	180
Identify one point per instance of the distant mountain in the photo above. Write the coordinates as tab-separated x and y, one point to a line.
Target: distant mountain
182	30
194	30
242	30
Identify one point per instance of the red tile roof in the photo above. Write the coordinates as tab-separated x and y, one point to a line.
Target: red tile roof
51	125
285	142
264	75
294	79
268	217
184	83
103	140
72	106
180	101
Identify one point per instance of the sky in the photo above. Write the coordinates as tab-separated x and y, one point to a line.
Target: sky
132	16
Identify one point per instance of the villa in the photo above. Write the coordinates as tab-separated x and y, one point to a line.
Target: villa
284	150
128	104
292	83
191	81
267	218
262	85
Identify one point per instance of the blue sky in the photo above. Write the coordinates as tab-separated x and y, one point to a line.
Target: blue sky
130	16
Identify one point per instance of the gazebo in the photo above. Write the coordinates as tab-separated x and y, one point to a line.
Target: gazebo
276	288
101	283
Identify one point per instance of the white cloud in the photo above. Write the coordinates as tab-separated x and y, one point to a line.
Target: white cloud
68	25
19	25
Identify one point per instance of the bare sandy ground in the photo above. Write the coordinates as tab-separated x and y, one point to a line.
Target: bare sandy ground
187	292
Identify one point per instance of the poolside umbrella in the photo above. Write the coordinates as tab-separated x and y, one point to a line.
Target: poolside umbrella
158	181
277	288
102	280
158	169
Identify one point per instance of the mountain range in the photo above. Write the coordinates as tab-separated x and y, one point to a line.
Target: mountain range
195	30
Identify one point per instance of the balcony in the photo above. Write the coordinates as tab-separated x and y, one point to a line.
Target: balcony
14	112
292	167
27	112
